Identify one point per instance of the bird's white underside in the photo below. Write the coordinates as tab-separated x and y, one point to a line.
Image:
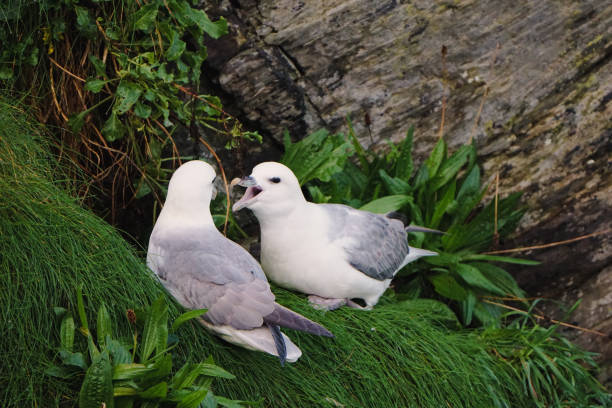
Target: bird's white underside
297	254
259	339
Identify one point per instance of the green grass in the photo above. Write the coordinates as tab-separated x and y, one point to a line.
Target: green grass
400	354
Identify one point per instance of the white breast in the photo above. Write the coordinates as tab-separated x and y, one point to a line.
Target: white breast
296	253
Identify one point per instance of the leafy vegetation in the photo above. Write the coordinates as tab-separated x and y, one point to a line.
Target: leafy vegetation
115	77
50	246
444	193
121	372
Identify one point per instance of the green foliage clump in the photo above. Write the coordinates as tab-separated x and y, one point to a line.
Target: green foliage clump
116	78
403	353
120	372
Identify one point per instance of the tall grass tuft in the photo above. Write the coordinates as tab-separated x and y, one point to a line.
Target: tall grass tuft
408	354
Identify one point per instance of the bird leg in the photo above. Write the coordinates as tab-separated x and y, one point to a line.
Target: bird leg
322	303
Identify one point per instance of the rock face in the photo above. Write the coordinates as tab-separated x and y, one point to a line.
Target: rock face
531	81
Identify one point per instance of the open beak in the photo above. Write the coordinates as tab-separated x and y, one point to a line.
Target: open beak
253	189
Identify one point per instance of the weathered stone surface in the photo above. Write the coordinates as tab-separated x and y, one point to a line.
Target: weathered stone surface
545	124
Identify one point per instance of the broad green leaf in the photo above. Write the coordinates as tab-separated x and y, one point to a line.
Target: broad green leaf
59	311
103	325
128	94
442	206
152	333
179	378
228	403
141	110
67	333
124	392
73	359
159	390
403	165
497	258
61	372
91	346
474	277
421	177
194	398
471	183
214	29
500	278
162	74
97	388
361	155
394	185
489	315
76	122
450	167
212	370
143	189
209	401
467	308
98	64
85	22
113	129
33	59
6	72
113	32
176	48
118	352
435	159
162	330
130	371
317	195
192	314
447	286
144	18
443	259
95	85
318	156
386	204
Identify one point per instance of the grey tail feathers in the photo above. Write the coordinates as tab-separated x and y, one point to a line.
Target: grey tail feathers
279	342
284	317
416	228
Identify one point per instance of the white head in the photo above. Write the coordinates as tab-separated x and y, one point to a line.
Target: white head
191	189
272	190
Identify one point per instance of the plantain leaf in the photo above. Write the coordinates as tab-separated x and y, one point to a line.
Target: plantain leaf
192	314
103	326
394	185
450	167
474	277
159	390
387	204
158	313
447	286
467	308
435	159
403	164
67	333
497	258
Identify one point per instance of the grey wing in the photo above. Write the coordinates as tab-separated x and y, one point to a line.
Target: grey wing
374	244
206	270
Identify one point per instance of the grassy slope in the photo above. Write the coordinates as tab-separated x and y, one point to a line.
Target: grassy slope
400	354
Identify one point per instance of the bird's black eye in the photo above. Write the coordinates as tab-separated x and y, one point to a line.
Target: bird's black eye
275	180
